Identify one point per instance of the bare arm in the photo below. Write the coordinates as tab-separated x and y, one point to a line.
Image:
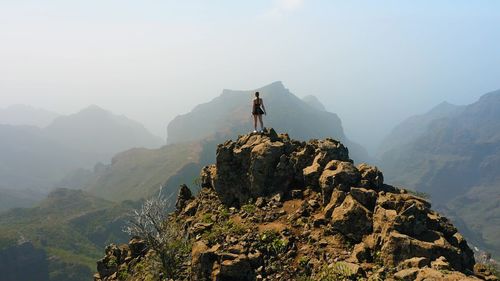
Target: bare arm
263	107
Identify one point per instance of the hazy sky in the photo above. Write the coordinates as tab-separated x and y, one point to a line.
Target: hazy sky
372	62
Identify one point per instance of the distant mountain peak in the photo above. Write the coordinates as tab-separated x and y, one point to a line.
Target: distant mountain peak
93	108
314	102
495	95
273	88
22	114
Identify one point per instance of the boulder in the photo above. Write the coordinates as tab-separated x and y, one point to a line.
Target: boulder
371	177
337	175
202	260
207	175
365	196
416	262
336	199
183	196
137	247
441	264
259	165
352	219
408	274
236	269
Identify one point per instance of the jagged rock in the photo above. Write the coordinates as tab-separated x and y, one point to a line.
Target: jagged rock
340	175
183	197
202	260
200	227
398	247
337	198
236	269
352	219
260	202
364	196
484	272
273	208
263	164
371	177
408	274
207	175
416	262
137	247
441	264
361	253
425	274
190	209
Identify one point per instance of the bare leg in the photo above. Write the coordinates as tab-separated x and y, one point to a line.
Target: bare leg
255	122
261	123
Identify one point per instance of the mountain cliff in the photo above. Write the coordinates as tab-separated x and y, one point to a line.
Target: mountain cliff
274	208
455	159
230	115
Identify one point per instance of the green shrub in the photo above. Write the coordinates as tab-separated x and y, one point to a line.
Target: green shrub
220	230
249	208
271	242
339	271
207	218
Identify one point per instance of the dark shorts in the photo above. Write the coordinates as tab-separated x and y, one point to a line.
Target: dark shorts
257	111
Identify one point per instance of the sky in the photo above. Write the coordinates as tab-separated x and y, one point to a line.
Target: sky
374	63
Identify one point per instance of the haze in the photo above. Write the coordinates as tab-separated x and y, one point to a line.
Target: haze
372	62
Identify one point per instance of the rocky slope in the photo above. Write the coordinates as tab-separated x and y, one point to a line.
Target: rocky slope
273	208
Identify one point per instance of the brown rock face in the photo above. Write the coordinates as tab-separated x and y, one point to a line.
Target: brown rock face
352	219
356	203
265	164
272	208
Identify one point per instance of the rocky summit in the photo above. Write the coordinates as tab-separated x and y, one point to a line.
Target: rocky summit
272	208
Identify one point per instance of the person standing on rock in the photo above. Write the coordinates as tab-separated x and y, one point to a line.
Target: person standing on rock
258	109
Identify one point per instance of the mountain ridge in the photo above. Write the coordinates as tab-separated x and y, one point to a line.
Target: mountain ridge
454	160
229	115
273	208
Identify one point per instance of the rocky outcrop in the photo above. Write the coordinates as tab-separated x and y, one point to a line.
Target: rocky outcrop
265	164
119	260
272	208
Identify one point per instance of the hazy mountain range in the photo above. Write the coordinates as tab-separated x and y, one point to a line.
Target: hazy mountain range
229	115
453	154
36	159
21	114
193	137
